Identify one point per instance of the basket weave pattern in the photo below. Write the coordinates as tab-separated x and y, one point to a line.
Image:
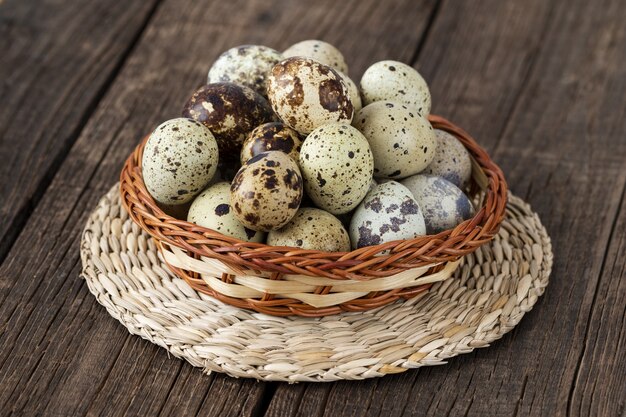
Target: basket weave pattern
285	281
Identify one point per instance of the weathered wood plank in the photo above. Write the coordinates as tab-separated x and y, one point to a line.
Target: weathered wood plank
59	351
57	61
541	85
599	388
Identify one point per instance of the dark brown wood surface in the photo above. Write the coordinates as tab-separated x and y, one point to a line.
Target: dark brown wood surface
540	83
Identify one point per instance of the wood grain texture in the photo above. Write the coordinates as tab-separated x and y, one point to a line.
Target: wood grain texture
60	353
539	84
57	61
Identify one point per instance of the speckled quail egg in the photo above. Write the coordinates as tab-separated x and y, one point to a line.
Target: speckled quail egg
230	111
267	191
246	65
388	212
273	136
320	51
443	203
452	160
211	209
306	94
312	229
402	141
337	166
353	90
395	81
179	160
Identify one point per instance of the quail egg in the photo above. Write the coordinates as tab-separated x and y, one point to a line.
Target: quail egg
230	111
320	51
337	166
211	209
451	161
402	141
443	203
353	90
246	65
395	81
179	160
267	191
273	136
389	212
306	94
312	229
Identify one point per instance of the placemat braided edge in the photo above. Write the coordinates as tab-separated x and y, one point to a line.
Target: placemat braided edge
489	294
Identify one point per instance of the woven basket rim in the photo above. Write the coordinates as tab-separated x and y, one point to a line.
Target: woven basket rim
364	263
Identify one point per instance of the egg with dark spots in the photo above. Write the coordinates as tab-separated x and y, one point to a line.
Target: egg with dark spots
320	51
312	229
179	160
452	160
274	136
306	94
337	166
353	90
443	203
230	111
267	191
389	212
247	65
211	209
402	141
395	81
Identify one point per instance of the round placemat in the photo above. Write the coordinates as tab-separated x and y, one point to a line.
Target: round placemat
487	296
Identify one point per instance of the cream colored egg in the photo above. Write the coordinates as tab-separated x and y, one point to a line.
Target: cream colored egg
306	94
444	205
267	191
320	51
395	81
402	141
389	212
313	229
179	160
246	65
451	161
337	167
211	209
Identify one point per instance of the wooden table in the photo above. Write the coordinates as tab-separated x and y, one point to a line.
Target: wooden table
540	83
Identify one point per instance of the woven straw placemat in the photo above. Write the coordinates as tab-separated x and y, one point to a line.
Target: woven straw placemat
488	295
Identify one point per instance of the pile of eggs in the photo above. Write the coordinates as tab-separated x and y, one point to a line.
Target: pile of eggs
325	165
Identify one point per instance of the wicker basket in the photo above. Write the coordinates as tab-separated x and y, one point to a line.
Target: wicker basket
289	281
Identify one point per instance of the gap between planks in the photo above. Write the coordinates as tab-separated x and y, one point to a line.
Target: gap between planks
24	212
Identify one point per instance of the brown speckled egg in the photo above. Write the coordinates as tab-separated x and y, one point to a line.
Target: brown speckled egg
246	65
179	160
320	51
389	212
395	81
211	209
306	94
230	111
274	136
267	191
353	90
444	205
337	166
402	141
312	229
451	161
